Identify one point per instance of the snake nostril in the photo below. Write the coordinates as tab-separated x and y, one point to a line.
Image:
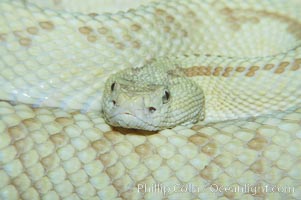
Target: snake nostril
114	102
152	109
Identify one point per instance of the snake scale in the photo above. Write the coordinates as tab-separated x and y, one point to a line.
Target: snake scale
56	57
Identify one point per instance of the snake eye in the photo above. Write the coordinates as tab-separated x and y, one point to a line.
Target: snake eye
166	96
113	86
152	109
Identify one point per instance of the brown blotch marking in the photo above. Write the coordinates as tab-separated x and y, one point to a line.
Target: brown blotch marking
58	139
268	66
93	14
197	71
229	194
86	30
25	41
110	39
226	11
226	74
166	29
127	194
217	71
257	143
16	132
144	150
113	136
113	171
101	146
207	173
135	27
235	26
223	161
258	167
281	67
119	45
64	121
32	124
56	2
238	17
234	22
32	30
170	18
240	69
191	14
228	69
2	37
279	71
159	11
120	185
198	139
254	19
23	145
250	73
49	161
178	72
136	44
210	149
284	64
254	68
47	25
192	71
76	112
296	65
259	194
92	38
102	30
107	159
184	33
294	28
207	71
197	127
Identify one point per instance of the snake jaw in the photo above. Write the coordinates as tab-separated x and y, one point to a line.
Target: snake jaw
131	121
125	120
135	110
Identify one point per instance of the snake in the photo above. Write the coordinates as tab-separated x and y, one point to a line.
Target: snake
170	99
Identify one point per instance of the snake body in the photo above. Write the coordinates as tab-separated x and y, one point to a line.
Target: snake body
238	62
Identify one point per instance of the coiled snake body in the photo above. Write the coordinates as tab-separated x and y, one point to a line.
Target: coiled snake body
230	67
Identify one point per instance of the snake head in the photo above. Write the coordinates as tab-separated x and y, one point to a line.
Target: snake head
151	99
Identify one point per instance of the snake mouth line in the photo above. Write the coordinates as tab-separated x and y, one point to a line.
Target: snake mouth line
115	117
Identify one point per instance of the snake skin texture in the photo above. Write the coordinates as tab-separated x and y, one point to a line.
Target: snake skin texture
54	143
